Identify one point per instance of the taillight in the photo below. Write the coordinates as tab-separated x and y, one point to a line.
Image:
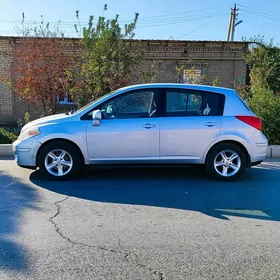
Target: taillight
251	120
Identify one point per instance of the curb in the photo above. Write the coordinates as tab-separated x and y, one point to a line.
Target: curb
6	150
273	151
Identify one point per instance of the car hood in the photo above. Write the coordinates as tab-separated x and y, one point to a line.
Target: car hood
45	120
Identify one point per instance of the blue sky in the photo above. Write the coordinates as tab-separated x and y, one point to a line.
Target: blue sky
159	19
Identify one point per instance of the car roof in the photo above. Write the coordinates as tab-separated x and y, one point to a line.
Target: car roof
215	89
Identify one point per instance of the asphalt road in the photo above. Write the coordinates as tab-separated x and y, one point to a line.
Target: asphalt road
140	224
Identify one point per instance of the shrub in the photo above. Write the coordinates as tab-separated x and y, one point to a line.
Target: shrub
266	105
9	135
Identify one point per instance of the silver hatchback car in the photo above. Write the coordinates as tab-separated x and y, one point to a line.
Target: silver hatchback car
148	124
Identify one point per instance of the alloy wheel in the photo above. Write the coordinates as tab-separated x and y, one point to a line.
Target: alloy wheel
58	162
227	163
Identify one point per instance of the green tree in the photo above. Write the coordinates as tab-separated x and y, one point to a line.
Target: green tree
109	59
263	60
150	74
39	30
266	105
264	64
216	82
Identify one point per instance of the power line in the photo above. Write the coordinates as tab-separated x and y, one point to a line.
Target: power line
262	15
254	9
186	12
182	21
158	18
162	23
194	30
259	18
140	22
261	24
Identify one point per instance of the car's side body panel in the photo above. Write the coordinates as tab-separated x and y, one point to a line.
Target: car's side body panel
186	138
123	139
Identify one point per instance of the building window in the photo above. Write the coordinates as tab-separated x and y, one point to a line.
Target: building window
193	76
65	99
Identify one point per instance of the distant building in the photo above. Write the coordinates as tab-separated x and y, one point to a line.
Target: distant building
207	58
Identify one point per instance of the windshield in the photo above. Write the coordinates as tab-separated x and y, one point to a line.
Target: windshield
94	101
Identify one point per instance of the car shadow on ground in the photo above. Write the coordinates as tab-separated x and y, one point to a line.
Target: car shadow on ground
15	198
256	195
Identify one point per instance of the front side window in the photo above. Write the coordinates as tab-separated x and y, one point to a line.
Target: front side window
193	103
136	104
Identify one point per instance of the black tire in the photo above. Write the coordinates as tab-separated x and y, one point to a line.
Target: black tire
215	151
71	149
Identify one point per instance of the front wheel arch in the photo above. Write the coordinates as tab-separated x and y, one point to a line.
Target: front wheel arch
59	139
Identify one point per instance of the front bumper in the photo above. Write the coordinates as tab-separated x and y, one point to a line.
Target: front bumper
25	152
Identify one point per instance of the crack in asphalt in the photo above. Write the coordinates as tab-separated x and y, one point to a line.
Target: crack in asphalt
51	219
57	252
160	274
138	263
125	253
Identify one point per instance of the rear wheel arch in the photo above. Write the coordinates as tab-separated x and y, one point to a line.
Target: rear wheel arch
240	145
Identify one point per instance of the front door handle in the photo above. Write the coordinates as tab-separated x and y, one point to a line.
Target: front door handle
149	125
211	124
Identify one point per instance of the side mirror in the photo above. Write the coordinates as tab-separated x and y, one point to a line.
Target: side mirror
96	117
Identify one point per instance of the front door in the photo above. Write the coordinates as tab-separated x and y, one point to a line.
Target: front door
128	130
192	122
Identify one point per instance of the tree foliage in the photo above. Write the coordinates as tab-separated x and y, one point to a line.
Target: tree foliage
38	30
264	63
266	105
39	66
109	58
12	135
150	74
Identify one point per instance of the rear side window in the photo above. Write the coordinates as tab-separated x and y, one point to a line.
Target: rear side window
193	103
243	102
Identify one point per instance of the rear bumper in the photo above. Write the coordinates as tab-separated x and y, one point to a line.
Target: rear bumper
257	148
256	163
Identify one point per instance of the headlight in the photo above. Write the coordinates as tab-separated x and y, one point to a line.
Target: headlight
29	132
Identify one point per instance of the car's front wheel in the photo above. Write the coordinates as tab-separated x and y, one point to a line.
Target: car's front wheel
226	162
60	160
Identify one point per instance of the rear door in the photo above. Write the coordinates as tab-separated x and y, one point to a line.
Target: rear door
192	121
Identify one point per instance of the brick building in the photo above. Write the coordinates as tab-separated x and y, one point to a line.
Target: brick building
209	58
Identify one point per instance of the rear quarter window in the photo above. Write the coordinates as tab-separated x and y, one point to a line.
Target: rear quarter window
215	101
243	102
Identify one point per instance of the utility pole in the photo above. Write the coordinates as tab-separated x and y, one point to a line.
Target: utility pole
229	26
233	23
234	15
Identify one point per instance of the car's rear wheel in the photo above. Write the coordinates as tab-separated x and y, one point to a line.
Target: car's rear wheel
226	162
60	160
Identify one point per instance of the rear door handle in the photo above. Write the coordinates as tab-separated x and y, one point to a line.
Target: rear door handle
211	124
149	125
